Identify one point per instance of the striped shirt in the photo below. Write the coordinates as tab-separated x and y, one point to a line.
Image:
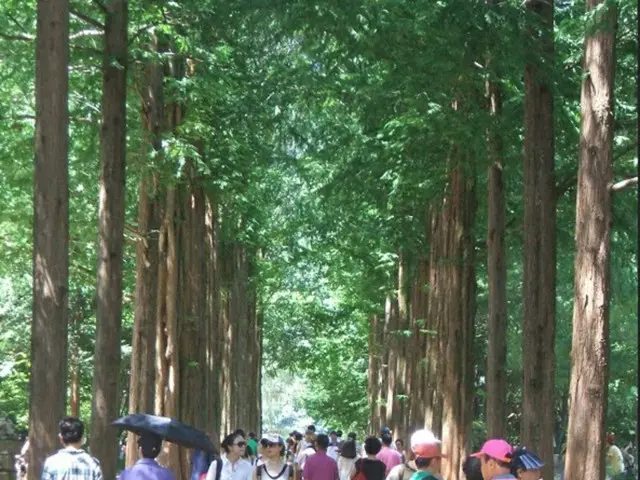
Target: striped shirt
71	464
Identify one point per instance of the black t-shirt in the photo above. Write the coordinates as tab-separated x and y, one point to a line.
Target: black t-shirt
373	469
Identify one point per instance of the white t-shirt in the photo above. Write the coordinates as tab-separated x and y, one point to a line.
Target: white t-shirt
240	470
615	461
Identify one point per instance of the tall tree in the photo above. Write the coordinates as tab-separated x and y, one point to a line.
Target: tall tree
48	381
539	293
111	214
459	300
590	346
496	269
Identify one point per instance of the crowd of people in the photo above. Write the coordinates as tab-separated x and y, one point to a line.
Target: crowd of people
305	456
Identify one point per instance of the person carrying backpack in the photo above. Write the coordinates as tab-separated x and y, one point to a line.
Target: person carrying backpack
273	465
369	467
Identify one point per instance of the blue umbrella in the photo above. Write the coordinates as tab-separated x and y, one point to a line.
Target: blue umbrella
171	430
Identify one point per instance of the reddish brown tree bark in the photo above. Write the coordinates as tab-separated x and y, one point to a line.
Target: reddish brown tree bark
590	345
497	275
48	380
111	213
539	279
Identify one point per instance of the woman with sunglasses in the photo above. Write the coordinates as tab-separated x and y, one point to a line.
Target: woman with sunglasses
272	465
234	467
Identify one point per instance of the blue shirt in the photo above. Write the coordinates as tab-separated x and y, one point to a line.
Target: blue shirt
147	469
71	464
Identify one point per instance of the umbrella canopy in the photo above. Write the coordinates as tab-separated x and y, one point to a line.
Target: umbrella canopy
171	430
523	458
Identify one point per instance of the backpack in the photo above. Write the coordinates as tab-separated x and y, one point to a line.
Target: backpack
360	475
203	476
264	467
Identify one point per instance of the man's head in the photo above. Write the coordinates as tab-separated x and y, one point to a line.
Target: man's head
526	465
310	433
611	439
339	433
252	435
495	458
150	445
385	431
333	435
386	440
400	444
472	469
71	431
352	435
427	450
372	446
322	441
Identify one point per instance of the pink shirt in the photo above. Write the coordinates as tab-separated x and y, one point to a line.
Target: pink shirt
320	466
389	457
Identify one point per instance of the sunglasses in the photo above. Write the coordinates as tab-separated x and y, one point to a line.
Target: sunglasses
241	444
266	444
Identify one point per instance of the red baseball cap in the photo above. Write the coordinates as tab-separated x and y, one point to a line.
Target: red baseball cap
497	449
428	450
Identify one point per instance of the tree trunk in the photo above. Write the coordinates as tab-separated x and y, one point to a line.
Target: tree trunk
590	347
432	385
399	425
142	384
539	292
373	374
111	213
391	321
74	336
497	276
213	348
142	379
48	382
457	277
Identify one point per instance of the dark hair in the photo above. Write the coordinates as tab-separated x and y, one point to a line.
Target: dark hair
311	428
252	434
422	462
240	432
401	441
71	430
386	439
352	435
348	449
471	468
500	463
229	440
372	446
339	433
150	444
322	441
297	436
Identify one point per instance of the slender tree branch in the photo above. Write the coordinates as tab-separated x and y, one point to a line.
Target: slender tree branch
86	18
622	184
22	38
17	23
17	118
86	33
